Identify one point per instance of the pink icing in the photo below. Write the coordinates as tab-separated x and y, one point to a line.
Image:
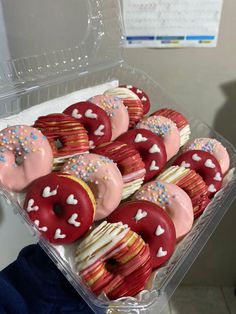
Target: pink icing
25	155
213	147
102	176
164	128
116	111
173	200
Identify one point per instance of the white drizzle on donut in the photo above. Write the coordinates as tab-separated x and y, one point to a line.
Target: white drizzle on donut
98	131
72	220
185	164
58	234
154	149
139	138
47	191
161	252
159	231
140	215
30	206
153	166
44	228
89	114
71	200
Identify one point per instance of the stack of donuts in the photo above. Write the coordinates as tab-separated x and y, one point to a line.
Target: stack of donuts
124	184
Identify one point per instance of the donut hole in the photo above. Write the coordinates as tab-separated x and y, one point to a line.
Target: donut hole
57	209
58	143
111	265
19	159
94	188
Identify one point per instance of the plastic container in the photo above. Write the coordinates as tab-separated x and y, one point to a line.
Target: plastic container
91	61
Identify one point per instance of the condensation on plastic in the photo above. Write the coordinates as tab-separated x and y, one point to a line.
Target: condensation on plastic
39	86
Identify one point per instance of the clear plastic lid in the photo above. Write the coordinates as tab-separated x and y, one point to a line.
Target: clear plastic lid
49	39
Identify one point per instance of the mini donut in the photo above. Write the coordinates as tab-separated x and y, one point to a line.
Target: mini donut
141	95
213	147
151	149
94	119
66	129
131	101
173	200
113	260
25	155
116	111
152	223
204	164
61	206
166	130
191	182
180	121
128	161
102	176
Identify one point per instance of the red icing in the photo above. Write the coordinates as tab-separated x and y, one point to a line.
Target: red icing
47	217
81	113
173	115
143	148
127	157
68	130
200	166
147	226
142	96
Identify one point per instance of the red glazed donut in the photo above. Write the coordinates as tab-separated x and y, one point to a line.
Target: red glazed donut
94	119
206	165
141	95
61	206
150	147
152	223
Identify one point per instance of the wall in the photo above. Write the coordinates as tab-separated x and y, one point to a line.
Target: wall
204	81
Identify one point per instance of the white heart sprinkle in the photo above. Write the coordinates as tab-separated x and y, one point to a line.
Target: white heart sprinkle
153	166
30	207
58	234
185	164
71	200
211	188
47	191
91	144
129	86
139	138
139	91
159	231
161	253
143	98
76	114
99	132
154	149
209	164
44	229
196	157
140	214
217	177
72	220
89	114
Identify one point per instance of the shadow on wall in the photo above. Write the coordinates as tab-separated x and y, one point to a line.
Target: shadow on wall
225	120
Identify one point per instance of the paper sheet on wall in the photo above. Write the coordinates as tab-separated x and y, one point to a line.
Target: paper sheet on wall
171	23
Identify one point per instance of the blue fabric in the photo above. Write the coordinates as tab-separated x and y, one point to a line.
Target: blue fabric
33	285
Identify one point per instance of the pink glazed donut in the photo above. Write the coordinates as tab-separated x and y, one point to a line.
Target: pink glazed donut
166	130
102	176
173	200
116	111
213	147
25	155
